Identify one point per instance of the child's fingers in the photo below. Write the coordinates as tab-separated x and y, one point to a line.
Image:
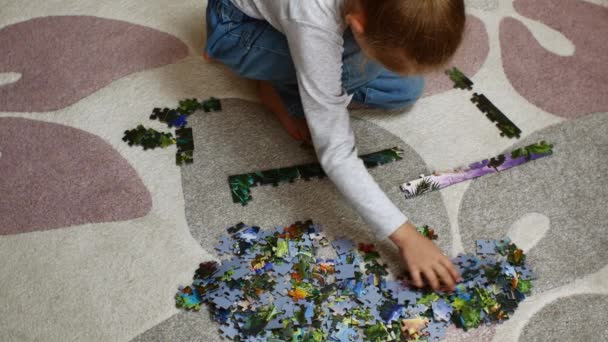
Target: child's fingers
449	265
416	278
431	278
445	276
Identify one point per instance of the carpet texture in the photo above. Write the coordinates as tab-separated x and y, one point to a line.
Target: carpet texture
95	236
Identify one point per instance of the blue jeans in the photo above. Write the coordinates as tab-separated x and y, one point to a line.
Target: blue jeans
254	49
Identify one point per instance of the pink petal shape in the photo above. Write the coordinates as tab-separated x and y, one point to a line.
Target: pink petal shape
569	86
54	176
469	58
66	58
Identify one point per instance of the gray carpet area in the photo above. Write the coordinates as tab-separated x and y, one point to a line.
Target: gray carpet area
244	138
566	321
570	188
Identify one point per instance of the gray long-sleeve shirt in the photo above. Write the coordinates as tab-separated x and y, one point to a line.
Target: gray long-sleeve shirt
314	30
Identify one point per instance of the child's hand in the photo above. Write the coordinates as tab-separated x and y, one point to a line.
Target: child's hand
424	260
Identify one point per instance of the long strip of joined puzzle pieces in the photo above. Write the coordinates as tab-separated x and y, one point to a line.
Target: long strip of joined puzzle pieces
240	185
440	180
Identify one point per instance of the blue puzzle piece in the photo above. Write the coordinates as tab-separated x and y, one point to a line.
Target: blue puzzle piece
525	273
229	331
416	310
486	247
344	333
437	330
225	246
442	311
282	269
408	296
222	302
345	271
274	324
179	122
343	246
309	312
286	305
341	308
372	297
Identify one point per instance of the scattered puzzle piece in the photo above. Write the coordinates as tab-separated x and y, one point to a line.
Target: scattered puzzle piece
459	79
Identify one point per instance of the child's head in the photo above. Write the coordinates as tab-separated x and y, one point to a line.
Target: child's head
408	36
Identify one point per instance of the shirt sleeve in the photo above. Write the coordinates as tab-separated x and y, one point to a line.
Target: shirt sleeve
317	55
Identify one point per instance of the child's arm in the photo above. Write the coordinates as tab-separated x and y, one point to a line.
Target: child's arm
317	55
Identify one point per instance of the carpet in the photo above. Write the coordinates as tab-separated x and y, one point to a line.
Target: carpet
95	236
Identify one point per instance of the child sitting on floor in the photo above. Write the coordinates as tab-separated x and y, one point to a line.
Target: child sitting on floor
315	57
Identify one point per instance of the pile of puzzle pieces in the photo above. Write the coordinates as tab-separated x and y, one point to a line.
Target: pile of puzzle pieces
174	118
275	287
240	185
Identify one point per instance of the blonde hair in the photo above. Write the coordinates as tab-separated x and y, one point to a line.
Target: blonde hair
423	34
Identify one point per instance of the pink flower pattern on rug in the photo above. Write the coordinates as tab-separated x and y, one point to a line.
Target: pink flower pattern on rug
570	86
63	59
55	176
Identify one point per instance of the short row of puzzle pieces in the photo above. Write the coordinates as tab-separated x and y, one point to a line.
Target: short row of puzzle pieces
240	185
174	118
178	117
503	123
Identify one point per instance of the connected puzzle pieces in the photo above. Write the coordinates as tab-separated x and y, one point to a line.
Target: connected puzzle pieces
440	180
460	80
503	123
174	118
148	138
240	185
275	287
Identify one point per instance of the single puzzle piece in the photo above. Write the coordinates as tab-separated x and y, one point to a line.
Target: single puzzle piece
240	185
460	80
184	158
344	333
343	246
486	247
344	272
229	331
185	140
408	296
212	104
226	245
436	331
179	122
442	311
189	106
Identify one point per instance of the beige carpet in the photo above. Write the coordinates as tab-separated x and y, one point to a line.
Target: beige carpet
96	236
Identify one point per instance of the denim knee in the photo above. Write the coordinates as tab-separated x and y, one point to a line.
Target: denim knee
394	93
